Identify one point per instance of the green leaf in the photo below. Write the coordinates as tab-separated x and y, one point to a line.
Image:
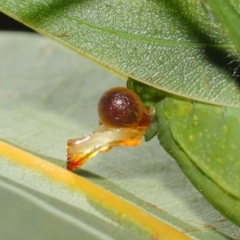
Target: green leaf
171	45
203	140
47	97
42	106
225	12
30	214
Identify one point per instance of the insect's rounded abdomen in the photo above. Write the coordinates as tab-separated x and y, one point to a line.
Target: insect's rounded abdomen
120	107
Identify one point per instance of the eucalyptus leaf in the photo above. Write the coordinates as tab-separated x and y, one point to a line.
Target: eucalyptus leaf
36	216
48	95
171	45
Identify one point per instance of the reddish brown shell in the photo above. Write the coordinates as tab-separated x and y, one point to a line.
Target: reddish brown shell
120	107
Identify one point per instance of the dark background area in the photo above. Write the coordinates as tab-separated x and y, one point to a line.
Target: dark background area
9	24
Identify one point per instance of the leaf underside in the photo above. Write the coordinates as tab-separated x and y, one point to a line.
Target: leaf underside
171	45
47	97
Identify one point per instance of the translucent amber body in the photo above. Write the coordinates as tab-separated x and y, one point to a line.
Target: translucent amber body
120	107
123	123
